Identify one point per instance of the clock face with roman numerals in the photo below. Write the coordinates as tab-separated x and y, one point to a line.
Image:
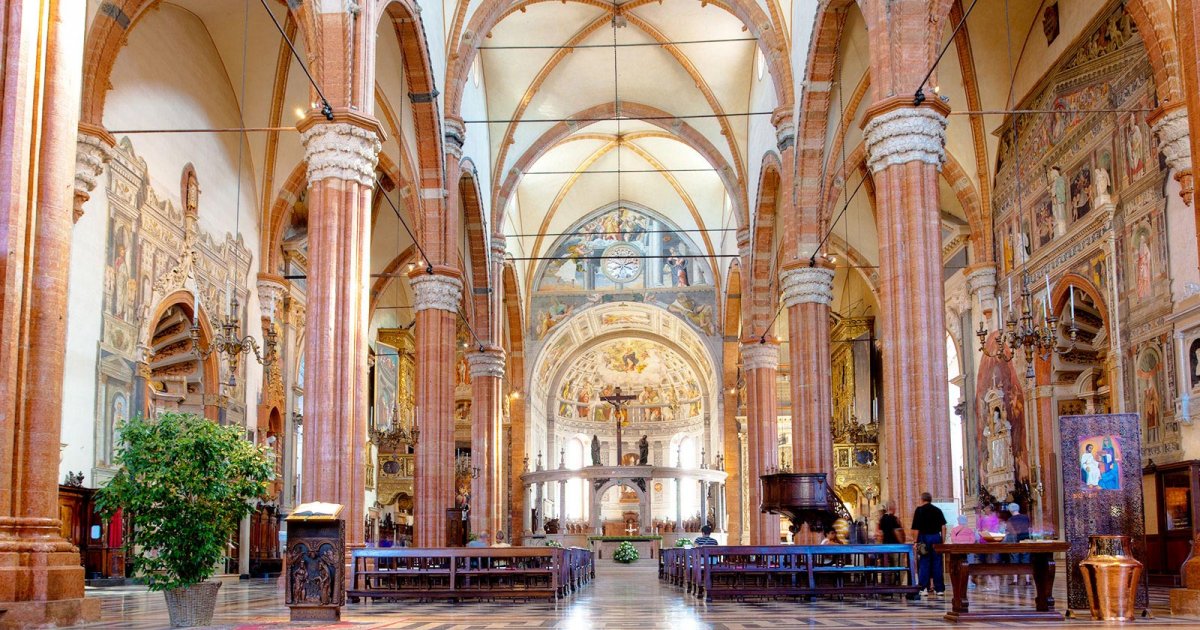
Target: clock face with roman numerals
622	262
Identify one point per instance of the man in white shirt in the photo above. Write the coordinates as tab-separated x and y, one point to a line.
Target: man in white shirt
500	540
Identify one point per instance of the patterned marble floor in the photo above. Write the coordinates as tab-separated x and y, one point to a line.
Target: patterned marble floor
620	597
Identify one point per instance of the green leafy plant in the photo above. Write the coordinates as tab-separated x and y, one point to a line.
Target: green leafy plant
554	543
683	542
625	553
183	483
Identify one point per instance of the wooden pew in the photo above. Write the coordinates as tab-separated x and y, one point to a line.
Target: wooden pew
458	573
792	570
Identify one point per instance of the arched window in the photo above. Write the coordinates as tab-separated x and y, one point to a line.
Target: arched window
954	374
575	499
687	456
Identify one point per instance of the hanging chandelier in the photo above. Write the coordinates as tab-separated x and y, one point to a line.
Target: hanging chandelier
229	342
394	434
1021	333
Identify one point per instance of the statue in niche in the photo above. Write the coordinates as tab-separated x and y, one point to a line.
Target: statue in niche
595	450
997	432
1100	179
1058	199
643	451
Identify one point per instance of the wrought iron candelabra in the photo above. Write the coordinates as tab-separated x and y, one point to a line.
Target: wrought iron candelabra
1020	333
230	343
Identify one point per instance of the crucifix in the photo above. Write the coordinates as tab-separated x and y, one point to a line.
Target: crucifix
618	402
630	529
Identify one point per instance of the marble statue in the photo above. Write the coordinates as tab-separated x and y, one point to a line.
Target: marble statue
643	451
1100	178
595	450
1058	199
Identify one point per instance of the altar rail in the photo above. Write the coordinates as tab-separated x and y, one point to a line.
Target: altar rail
791	570
459	573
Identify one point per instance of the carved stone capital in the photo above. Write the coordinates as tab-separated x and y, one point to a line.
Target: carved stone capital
785	129
455	133
1170	126
743	243
436	291
271	291
341	150
498	249
91	153
757	355
906	134
807	285
490	362
981	282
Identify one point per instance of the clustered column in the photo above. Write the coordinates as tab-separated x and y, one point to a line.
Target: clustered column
436	306
341	158
41	580
906	148
760	360
487	377
807	294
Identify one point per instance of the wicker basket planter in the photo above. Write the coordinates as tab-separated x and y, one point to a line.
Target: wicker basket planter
193	605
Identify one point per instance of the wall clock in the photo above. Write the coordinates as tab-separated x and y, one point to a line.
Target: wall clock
622	262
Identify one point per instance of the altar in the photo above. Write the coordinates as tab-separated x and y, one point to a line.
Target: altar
604	546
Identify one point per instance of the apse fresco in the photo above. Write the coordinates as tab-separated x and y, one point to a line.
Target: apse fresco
663	382
624	255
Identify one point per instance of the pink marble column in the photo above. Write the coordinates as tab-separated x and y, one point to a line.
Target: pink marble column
41	580
906	148
760	361
487	379
807	294
436	299
341	158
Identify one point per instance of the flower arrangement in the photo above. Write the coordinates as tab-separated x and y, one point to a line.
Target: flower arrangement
554	543
625	553
683	542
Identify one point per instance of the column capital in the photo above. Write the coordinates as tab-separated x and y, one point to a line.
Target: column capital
757	355
92	151
1170	125
347	148
807	284
981	277
455	133
498	248
435	291
488	362
785	129
271	291
898	133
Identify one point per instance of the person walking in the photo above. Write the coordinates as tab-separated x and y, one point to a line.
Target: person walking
929	525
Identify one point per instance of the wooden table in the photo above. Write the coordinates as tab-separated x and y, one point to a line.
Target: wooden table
1041	566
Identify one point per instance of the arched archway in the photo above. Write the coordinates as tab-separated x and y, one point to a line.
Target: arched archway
635	488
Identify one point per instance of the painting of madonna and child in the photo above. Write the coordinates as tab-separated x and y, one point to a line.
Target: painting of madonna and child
1100	462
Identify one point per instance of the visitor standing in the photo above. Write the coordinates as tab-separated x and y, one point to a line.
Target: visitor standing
929	524
891	532
1017	531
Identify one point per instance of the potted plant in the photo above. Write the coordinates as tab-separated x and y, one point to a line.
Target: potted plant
183	483
685	543
625	553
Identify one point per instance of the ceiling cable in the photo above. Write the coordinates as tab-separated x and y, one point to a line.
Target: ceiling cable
621	233
591	119
919	95
615	45
326	109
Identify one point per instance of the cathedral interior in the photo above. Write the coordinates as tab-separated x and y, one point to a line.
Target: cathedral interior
561	272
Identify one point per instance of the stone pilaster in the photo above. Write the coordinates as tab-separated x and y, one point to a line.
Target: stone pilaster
807	294
92	151
905	146
760	361
436	298
341	157
1170	126
487	379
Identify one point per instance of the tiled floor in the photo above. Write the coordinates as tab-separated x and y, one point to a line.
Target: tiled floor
620	597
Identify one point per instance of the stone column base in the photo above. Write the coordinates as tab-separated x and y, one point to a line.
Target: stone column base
54	613
43	588
1185	601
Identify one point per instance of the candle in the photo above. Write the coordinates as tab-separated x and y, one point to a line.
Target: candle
228	297
195	302
1010	293
1072	306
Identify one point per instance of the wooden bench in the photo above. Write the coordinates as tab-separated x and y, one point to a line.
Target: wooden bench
791	570
458	573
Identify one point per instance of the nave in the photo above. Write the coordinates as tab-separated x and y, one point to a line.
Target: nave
622	596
